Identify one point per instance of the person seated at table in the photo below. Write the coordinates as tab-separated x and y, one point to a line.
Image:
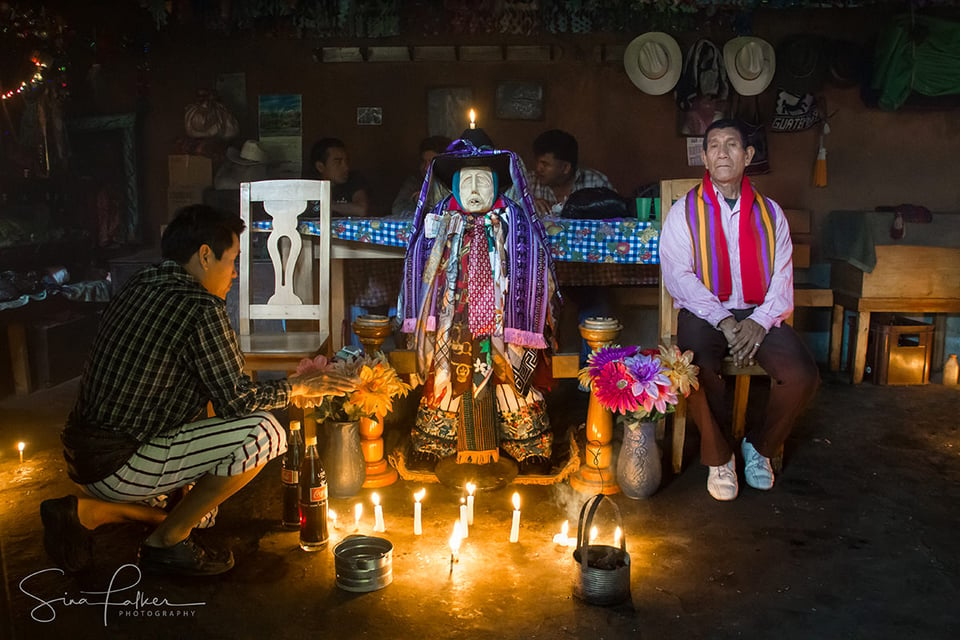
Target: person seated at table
139	431
348	191
480	314
556	172
405	204
731	277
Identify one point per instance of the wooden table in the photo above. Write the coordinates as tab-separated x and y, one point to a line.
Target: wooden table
906	279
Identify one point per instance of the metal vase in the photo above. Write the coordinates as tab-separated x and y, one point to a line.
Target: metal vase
638	465
343	459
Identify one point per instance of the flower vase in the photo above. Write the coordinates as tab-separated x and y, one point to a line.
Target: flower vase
638	465
343	459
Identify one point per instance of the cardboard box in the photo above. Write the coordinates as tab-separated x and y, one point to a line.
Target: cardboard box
188	170
181	196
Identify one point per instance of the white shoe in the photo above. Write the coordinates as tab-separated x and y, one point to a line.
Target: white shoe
756	468
722	481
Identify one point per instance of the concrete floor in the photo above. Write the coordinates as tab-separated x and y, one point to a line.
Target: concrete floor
858	539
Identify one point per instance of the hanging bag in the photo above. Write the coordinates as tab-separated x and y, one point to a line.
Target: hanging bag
208	118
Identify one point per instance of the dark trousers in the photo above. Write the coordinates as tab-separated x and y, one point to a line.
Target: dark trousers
793	380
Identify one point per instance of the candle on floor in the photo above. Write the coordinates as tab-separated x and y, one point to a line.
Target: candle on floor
515	525
377	513
464	530
417	521
357	513
20	447
470	489
562	538
593	534
455	544
333	518
617	534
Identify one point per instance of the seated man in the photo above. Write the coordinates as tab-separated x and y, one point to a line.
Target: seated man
557	175
405	204
477	295
731	275
348	192
164	349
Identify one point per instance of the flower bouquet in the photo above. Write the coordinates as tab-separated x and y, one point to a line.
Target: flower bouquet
377	385
644	384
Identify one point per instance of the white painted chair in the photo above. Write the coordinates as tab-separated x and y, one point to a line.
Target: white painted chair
301	291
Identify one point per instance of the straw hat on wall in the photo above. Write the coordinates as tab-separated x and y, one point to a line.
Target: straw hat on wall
750	64
653	62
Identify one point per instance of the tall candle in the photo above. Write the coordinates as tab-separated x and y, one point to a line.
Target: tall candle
470	489
20	446
357	512
515	525
417	522
377	513
464	530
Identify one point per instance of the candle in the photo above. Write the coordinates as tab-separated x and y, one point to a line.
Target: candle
617	534
417	523
470	489
593	534
473	119
562	538
357	512
333	518
377	513
464	530
515	525
20	446
455	544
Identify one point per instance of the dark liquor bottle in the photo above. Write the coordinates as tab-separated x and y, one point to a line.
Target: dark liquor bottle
290	475
313	500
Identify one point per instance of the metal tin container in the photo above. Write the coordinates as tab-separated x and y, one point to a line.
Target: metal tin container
363	563
603	571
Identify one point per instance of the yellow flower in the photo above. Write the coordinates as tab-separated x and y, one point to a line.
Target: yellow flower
680	368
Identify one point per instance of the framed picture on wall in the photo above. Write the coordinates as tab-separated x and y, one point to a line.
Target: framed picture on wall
447	111
519	101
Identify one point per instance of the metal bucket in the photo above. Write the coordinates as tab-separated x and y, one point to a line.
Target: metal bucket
363	563
603	571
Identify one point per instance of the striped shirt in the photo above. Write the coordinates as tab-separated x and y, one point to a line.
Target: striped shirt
164	348
584	179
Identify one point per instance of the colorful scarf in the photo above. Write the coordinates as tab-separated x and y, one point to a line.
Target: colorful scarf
757	241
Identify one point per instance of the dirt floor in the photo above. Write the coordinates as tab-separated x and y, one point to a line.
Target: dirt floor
858	539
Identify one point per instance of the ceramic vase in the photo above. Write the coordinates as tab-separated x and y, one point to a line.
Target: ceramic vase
343	459
638	465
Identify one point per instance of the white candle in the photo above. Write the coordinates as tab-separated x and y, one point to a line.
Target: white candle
515	525
455	544
593	534
470	489
20	446
332	515
464	530
473	119
377	513
357	512
617	534
561	538
417	522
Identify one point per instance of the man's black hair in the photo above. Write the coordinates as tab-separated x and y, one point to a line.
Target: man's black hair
561	144
437	144
196	225
726	123
320	148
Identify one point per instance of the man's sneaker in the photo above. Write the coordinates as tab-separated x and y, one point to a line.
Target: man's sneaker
722	480
756	468
186	558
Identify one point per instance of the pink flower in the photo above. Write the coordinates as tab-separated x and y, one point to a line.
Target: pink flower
613	386
308	365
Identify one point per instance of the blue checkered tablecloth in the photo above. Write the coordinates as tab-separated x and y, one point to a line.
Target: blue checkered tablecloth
616	241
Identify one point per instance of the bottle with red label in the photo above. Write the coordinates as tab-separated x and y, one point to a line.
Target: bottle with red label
313	500
290	476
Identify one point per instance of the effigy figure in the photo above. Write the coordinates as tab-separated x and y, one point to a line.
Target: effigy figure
477	297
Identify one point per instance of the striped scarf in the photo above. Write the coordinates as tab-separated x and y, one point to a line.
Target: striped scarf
757	240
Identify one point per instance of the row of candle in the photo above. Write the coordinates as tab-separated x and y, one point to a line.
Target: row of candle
465	521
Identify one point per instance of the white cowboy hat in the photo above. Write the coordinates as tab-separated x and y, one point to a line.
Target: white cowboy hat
250	153
653	62
750	64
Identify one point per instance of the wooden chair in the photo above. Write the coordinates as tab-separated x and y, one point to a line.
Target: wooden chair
301	291
670	192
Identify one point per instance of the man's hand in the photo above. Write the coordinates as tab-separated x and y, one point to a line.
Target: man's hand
747	337
320	384
728	326
542	206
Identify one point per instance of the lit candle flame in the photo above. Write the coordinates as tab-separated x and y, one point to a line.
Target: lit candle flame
617	534
418	496
593	534
333	517
516	501
565	528
455	538
471	488
473	119
20	446
375	498
357	512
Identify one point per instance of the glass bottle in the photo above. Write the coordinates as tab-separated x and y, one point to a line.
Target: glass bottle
313	500
290	476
